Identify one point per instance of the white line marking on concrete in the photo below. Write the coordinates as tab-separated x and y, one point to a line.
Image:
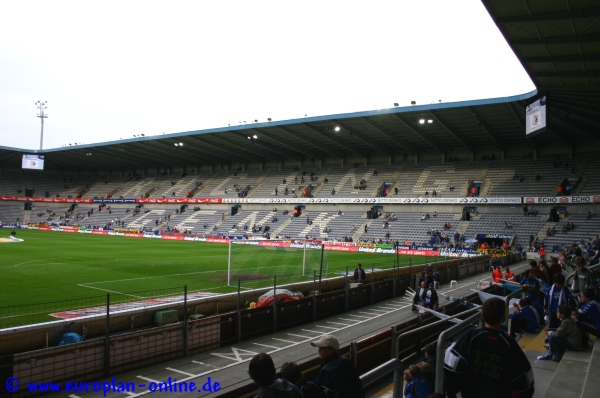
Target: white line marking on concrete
338	323
325	327
298	335
237	354
181	371
311	331
265	345
285	341
205	364
147	379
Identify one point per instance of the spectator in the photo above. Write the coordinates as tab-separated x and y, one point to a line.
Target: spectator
486	362
583	278
497	275
337	373
566	337
431	298
437	277
509	275
525	318
420	295
428	365
554	266
588	316
417	385
544	270
262	371
557	296
359	274
530	285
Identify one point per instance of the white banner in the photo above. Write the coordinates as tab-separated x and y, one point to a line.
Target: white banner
562	199
373	201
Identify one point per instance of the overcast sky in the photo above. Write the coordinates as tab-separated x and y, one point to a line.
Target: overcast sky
115	69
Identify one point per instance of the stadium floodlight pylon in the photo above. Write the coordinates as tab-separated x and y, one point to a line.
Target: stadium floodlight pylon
252	261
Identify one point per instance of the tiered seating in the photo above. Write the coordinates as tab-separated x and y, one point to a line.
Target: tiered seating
440	177
147	220
342	226
10	213
502	182
101	188
195	221
411	226
234	225
300	228
343	180
414	180
493	223
55	185
293	178
584	230
591	185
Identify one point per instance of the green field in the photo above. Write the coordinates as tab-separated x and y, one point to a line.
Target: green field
50	267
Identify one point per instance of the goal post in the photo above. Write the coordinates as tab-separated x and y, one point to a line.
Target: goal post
291	260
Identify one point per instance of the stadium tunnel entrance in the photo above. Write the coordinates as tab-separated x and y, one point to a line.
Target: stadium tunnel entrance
235	209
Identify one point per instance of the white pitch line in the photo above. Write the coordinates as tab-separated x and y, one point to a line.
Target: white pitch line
266	345
182	372
111	291
154	277
73	396
27	262
374	310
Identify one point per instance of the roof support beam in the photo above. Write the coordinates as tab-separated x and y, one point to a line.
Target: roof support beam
246	151
587	13
582	127
455	134
574	73
270	147
585	38
372	144
282	141
488	130
562	58
409	147
343	143
208	147
424	136
332	151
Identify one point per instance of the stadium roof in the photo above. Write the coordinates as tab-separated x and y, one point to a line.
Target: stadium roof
558	44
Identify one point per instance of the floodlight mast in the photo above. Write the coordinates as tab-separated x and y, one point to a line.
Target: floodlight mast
41	108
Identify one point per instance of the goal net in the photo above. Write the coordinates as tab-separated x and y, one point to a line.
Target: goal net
255	263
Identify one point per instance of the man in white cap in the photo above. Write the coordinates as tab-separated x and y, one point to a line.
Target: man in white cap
337	373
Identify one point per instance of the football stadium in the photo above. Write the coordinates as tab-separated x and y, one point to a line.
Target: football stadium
147	264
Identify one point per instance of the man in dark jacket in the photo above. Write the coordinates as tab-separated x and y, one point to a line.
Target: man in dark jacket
262	370
487	362
337	373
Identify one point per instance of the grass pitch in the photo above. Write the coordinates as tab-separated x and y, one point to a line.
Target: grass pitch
53	267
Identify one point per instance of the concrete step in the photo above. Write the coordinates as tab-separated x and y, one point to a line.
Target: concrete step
571	374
